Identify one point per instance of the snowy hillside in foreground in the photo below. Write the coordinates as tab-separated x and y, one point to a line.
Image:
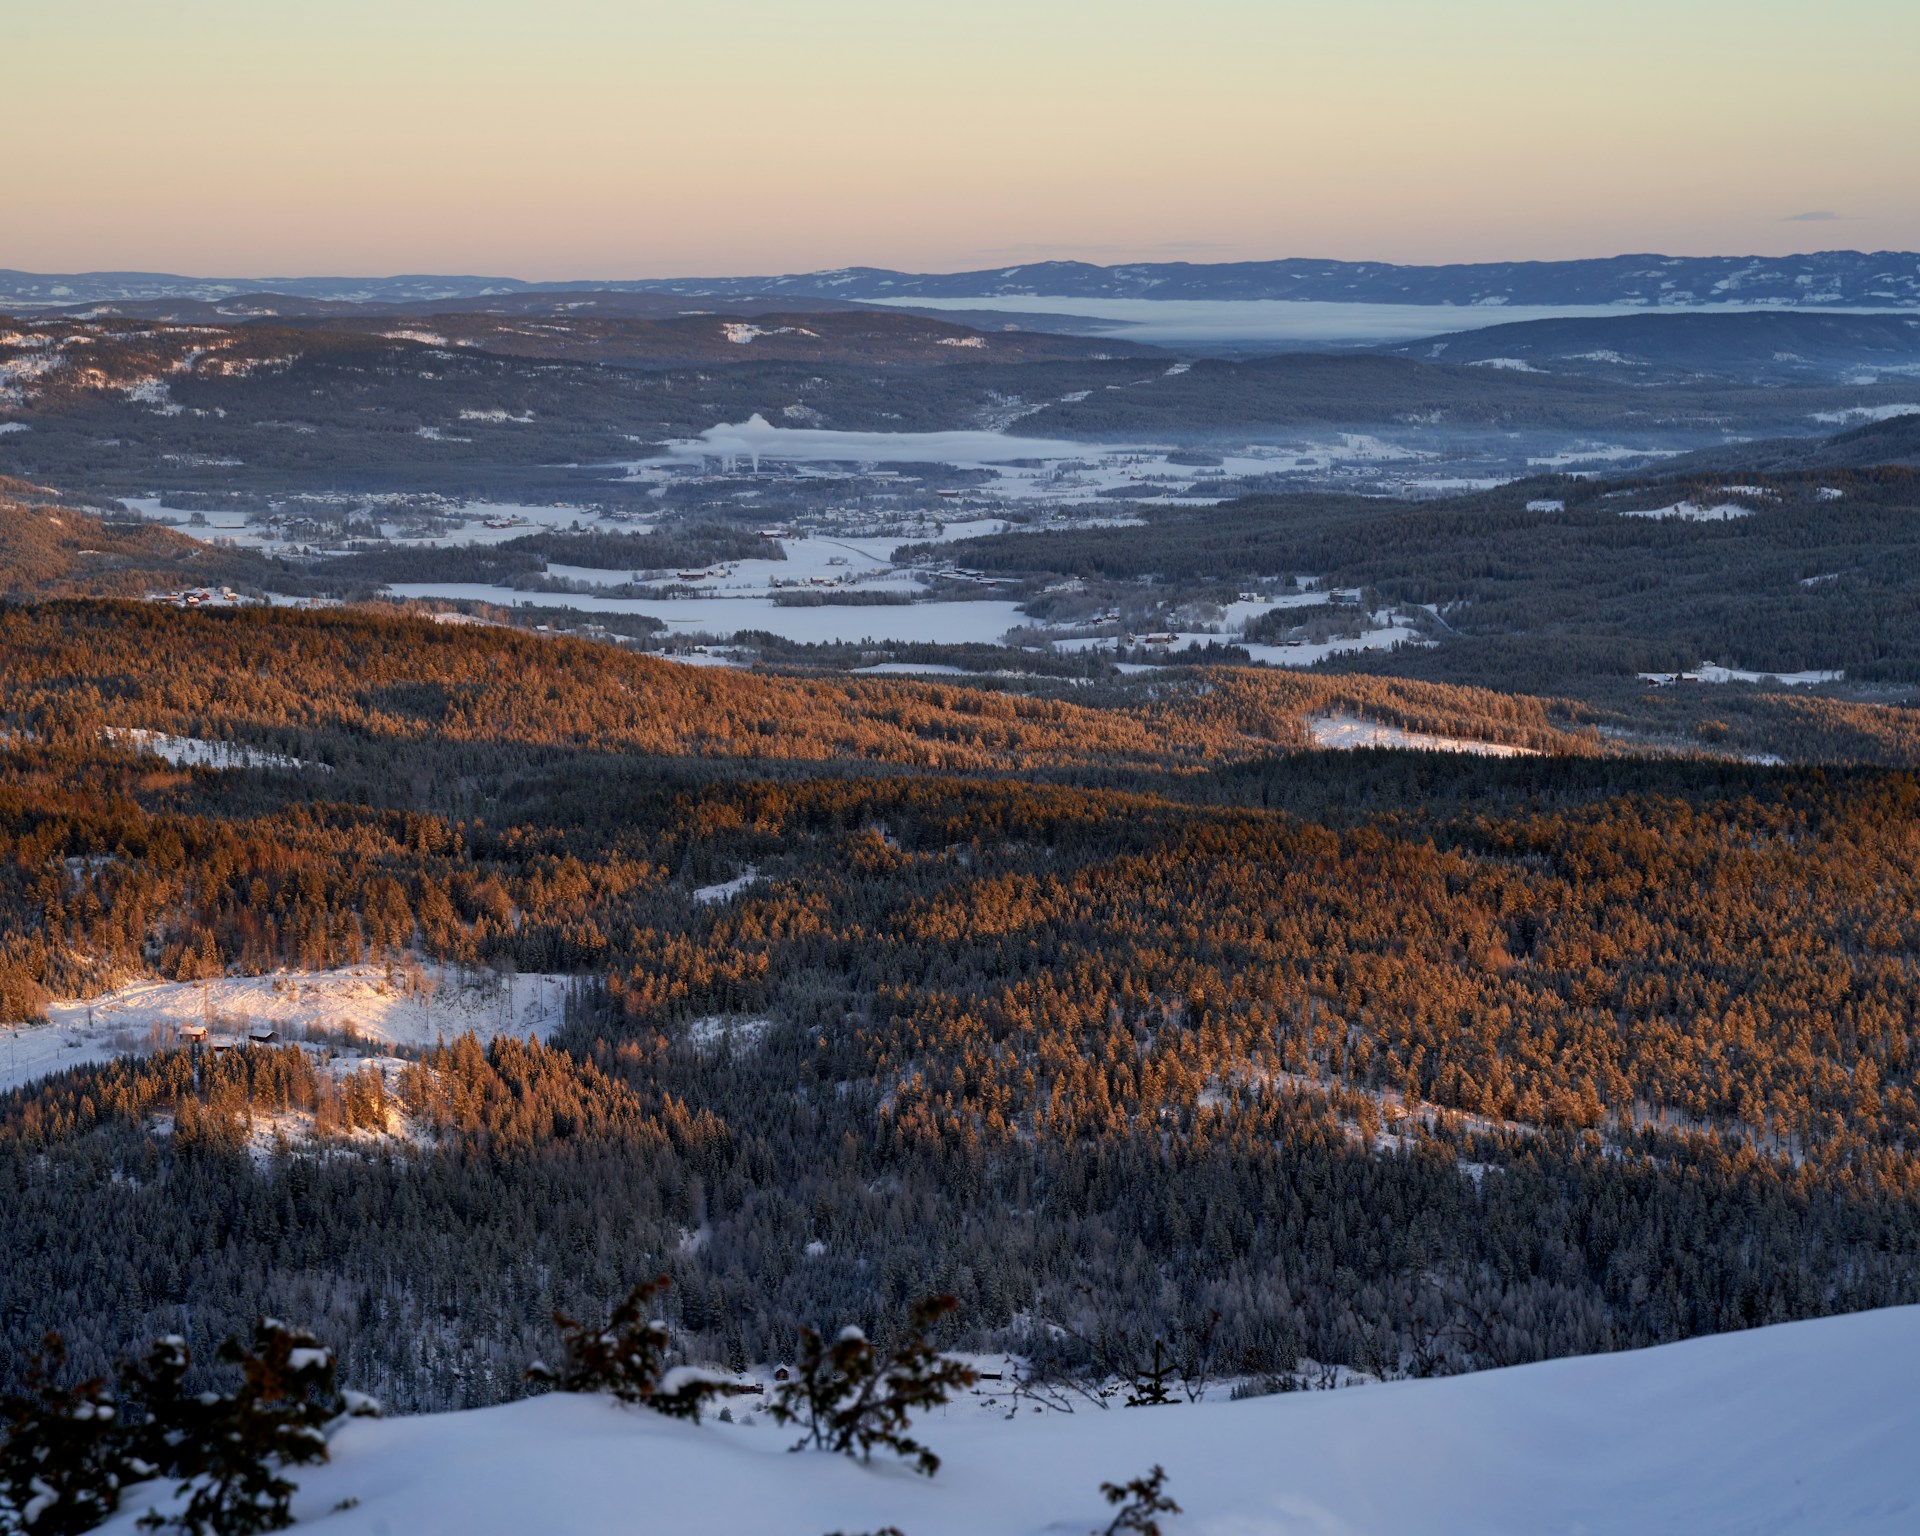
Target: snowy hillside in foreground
1803	1428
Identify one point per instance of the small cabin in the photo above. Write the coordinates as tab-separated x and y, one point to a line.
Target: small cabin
781	1373
193	1032
262	1034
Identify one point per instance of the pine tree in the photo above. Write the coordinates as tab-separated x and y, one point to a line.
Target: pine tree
62	1466
627	1358
848	1397
230	1450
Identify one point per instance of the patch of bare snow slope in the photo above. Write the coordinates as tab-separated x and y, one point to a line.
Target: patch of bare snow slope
193	752
1344	733
1801	1429
742	1035
359	1005
740	333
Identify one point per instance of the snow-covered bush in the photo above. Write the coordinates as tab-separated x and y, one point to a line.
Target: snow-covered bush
1138	1504
627	1357
62	1464
848	1397
229	1450
70	1450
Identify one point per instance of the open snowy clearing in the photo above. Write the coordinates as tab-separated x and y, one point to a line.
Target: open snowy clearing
359	1006
1805	1429
708	895
1343	733
1592	453
1384	632
1692	512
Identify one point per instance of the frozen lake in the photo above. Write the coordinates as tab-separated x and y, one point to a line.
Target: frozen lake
863	560
1169	322
980	621
758	438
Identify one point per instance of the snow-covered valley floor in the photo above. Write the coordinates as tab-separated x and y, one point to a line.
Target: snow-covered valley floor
1807	1428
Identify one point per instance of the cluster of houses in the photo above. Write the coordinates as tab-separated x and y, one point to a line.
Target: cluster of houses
198	1037
198	597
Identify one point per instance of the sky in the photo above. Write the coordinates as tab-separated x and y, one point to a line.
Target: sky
653	138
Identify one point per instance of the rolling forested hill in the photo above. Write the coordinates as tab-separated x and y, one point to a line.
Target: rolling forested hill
1119	1009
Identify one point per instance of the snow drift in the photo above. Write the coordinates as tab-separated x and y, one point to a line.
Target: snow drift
1800	1428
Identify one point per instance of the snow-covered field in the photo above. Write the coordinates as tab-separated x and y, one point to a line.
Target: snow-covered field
1853	415
1343	733
360	1006
1709	673
479	522
1592	453
1023	469
1805	1429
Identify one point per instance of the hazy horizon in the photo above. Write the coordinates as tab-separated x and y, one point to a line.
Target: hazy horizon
471	271
743	137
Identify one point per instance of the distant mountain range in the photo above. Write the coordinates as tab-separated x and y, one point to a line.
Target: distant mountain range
1825	279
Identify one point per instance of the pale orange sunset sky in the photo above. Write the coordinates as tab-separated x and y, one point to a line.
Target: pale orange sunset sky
585	138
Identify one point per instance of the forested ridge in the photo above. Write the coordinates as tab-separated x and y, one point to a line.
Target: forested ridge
1557	583
50	550
1111	1009
339	680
